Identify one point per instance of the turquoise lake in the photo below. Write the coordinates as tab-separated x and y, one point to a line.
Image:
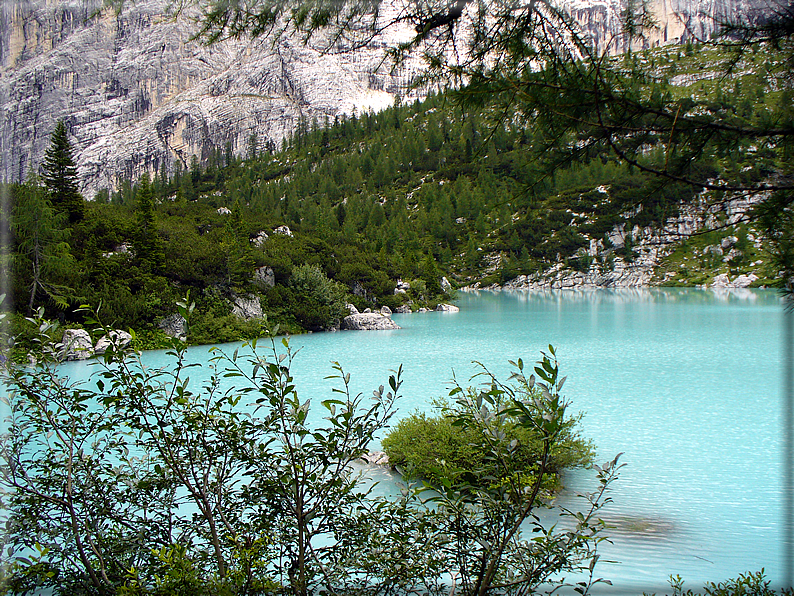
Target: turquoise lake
687	384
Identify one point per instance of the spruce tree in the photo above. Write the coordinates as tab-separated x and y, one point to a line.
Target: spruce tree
59	174
148	247
43	263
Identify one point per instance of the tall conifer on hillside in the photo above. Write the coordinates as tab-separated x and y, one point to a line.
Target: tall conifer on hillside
59	173
42	259
148	246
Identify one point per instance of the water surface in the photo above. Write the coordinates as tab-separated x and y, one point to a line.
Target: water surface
686	383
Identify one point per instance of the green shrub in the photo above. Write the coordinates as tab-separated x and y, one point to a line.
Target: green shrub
429	447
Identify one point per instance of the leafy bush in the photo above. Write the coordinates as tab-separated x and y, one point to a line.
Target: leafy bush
747	584
431	446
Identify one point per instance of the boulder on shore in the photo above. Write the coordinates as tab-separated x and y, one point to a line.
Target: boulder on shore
77	344
117	338
174	326
371	321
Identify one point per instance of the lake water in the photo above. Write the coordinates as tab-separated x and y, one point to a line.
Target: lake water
686	383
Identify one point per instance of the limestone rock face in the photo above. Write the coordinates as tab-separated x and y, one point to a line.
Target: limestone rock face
77	344
138	95
371	321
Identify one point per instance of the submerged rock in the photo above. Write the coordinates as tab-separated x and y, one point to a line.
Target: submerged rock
376	458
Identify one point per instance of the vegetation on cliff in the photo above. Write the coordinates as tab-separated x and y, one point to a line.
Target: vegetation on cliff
437	188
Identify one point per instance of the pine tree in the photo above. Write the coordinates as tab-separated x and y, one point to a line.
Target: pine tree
42	258
148	247
59	174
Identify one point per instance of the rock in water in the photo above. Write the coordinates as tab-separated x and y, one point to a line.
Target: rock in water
371	321
447	308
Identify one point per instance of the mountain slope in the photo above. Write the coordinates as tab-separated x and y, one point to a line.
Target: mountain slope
138	94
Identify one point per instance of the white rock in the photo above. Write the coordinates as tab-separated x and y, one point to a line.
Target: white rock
728	241
744	281
259	239
174	326
447	308
247	307
77	344
721	281
368	322
117	338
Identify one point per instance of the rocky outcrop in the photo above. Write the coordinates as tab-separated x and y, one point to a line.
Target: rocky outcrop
247	307
117	338
264	278
677	21
77	345
741	281
447	308
137	94
649	245
174	325
371	321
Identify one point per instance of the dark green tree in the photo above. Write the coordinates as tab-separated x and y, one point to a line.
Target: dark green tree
147	243
59	174
236	248
534	64
42	259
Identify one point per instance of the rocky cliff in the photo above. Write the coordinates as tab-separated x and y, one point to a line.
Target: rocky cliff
137	93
